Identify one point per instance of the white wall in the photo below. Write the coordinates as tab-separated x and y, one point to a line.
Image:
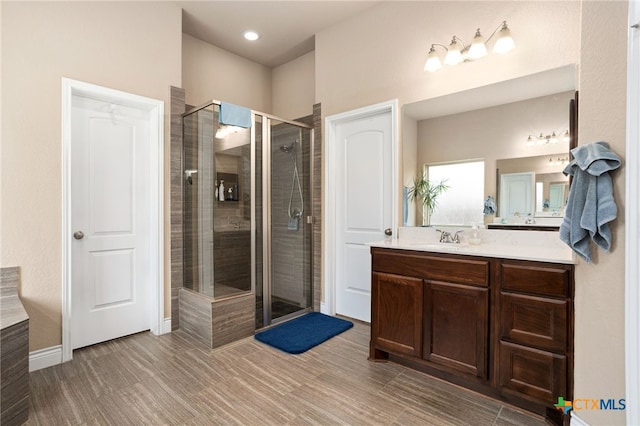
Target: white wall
294	87
133	47
209	72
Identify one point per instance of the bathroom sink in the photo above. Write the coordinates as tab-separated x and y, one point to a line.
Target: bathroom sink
439	246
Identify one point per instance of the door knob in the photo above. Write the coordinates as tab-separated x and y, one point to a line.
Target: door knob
78	235
388	232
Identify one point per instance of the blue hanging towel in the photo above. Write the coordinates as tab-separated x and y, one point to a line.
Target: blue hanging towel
234	115
591	206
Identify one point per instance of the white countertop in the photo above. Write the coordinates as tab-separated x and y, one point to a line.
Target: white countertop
539	254
538	246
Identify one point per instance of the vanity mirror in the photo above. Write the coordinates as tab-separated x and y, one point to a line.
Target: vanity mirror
539	184
492	124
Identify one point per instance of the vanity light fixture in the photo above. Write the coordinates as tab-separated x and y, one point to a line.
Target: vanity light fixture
458	52
548	138
558	161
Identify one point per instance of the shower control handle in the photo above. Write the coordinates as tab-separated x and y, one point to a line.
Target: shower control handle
388	232
78	235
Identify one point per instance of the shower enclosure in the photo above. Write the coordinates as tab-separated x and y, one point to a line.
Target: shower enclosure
247	202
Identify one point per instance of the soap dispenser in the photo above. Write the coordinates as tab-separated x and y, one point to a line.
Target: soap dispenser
221	191
475	235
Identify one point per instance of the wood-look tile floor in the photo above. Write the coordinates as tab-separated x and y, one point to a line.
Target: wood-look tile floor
172	379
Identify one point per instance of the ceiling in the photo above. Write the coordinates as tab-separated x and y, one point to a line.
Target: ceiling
287	28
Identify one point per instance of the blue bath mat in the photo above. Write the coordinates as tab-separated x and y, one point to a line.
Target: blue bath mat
301	334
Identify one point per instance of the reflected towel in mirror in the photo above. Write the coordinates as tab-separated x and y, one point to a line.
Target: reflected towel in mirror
489	206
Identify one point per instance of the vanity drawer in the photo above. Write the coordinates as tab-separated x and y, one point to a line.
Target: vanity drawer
536	278
538	374
534	321
445	267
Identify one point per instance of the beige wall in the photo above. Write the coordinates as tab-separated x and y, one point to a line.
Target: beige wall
380	54
294	87
209	72
492	134
599	302
134	47
358	63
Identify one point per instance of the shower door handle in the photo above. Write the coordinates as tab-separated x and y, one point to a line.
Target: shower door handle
78	235
388	232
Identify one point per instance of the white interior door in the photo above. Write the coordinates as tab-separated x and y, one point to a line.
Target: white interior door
110	220
364	206
516	194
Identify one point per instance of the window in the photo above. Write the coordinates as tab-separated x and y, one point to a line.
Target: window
463	202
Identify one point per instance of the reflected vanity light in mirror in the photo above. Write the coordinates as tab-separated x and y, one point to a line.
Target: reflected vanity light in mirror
548	138
558	161
458	52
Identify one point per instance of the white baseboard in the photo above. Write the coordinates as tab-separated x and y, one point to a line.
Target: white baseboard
324	309
166	326
44	358
577	421
48	357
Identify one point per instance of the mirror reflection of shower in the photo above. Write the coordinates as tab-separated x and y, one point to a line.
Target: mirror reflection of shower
295	213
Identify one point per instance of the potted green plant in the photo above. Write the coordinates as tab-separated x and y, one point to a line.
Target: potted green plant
427	193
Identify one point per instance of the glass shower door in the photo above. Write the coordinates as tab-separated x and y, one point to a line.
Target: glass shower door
290	234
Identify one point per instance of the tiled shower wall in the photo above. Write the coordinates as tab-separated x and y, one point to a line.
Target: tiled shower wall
176	108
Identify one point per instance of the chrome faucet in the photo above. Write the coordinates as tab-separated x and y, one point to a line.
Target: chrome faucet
447	237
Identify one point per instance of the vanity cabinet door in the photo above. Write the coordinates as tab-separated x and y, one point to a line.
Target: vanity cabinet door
532	372
396	314
456	327
534	321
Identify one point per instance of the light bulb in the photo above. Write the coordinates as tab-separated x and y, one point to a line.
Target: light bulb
478	48
433	61
553	138
566	137
530	141
251	35
504	43
454	54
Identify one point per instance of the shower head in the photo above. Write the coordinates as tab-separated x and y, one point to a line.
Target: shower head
289	148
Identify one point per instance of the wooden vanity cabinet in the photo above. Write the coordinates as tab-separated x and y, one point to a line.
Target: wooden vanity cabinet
498	326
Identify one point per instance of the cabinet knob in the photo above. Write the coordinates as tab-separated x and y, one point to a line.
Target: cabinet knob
78	235
388	232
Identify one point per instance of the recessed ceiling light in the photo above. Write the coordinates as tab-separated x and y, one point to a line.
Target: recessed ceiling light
251	35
